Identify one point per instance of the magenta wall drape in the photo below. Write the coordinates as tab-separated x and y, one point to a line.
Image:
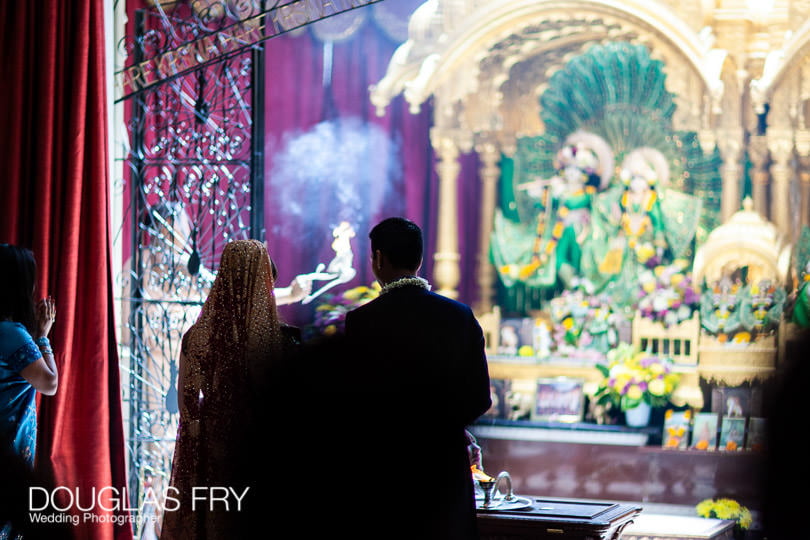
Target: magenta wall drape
55	201
297	100
402	183
397	178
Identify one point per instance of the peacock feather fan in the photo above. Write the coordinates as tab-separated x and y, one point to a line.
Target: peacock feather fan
617	91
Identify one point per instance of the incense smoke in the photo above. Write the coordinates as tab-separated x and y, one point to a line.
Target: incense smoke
339	170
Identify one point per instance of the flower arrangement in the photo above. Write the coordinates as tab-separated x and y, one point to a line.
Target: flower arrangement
582	325
330	315
666	294
632	377
722	508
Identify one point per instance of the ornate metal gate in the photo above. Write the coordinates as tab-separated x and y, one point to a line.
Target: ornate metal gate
194	172
194	98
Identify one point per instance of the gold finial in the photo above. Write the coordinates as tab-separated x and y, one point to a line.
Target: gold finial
748	204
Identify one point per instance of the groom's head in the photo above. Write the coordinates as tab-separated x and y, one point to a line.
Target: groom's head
396	248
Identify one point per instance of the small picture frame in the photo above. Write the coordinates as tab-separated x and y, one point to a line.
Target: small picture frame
731	402
497	393
756	402
514	334
704	431
757	436
519	396
559	399
676	428
732	434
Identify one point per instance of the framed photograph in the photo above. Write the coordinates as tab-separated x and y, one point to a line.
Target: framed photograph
514	334
757	436
676	428
559	399
704	431
520	396
732	434
497	392
731	402
756	402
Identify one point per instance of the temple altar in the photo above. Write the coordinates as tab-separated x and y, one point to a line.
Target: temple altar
717	94
613	149
643	171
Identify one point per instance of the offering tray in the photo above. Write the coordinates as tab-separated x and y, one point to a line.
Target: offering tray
500	504
490	499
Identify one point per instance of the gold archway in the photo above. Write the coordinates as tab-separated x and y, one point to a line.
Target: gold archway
486	64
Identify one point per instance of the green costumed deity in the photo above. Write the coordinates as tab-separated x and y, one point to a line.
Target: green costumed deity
761	307
562	224
639	224
545	252
801	303
719	308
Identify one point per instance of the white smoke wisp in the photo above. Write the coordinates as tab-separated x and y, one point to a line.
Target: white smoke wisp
343	167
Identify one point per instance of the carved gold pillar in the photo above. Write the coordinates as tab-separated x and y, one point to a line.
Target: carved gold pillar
446	271
804	193
760	175
803	149
730	143
489	155
780	144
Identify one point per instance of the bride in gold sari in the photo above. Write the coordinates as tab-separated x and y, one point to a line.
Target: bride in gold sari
225	366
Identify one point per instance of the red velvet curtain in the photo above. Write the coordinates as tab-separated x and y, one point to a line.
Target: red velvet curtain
55	200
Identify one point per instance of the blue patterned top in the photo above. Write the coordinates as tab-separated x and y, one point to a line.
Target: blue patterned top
18	406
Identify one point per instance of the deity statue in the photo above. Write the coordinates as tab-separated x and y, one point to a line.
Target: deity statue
636	225
761	307
547	252
340	269
601	330
800	301
618	93
719	307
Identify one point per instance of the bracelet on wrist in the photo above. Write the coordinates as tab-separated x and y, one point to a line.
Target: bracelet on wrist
44	345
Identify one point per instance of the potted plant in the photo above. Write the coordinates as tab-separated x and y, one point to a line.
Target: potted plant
636	381
723	508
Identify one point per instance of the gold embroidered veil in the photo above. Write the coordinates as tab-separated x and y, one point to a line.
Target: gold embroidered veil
224	366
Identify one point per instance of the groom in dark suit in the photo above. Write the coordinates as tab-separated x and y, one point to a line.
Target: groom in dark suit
423	377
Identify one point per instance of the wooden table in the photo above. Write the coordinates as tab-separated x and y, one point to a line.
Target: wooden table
650	526
559	519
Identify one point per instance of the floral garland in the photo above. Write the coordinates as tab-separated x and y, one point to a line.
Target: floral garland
645	252
541	252
666	294
635	234
582	325
410	281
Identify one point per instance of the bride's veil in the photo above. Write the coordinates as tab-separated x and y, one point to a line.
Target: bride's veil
227	356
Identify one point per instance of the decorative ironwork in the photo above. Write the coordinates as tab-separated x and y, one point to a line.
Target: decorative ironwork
213	31
194	89
191	166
